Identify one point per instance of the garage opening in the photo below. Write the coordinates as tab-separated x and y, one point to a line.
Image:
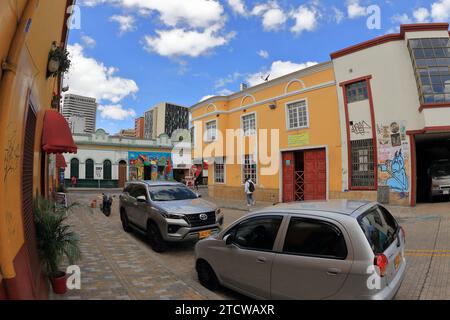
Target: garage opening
433	167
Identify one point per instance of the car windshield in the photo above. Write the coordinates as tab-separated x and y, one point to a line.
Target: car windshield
171	193
441	169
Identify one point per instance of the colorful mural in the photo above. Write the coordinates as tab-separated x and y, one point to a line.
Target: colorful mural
154	166
393	158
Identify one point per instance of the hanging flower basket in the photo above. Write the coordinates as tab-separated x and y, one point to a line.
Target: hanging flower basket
58	61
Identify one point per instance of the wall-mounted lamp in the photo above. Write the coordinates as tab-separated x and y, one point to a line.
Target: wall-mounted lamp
273	106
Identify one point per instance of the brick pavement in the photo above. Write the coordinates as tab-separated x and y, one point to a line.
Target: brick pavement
116	266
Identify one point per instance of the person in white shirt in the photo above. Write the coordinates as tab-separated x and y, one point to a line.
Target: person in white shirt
249	189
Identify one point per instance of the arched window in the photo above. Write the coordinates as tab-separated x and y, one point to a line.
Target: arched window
107	170
89	169
74	168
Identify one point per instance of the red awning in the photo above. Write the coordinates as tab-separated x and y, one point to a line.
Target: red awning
56	135
60	161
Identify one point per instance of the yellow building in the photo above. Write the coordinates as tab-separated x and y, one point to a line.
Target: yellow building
300	115
28	30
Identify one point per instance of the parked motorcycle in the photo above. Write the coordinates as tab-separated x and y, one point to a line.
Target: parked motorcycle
106	205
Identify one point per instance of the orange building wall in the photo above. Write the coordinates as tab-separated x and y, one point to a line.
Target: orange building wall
27	52
324	128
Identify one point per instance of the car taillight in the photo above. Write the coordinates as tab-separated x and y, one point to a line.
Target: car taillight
404	234
381	261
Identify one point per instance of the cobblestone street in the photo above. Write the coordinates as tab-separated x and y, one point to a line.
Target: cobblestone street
118	265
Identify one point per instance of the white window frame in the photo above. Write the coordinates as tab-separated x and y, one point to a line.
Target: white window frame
224	172
288	127
247	133
209	137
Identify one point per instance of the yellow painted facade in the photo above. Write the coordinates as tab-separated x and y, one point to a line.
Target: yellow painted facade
316	86
27	30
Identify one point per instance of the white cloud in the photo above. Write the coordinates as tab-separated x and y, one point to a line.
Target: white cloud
173	13
225	92
305	19
355	10
116	112
263	54
278	68
421	15
238	7
440	11
401	18
126	23
92	78
222	82
273	16
88	41
180	42
92	3
206	97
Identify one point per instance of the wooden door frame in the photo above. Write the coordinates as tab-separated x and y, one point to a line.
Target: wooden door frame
280	175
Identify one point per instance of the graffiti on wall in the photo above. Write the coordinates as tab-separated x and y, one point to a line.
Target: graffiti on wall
393	158
155	166
360	127
12	153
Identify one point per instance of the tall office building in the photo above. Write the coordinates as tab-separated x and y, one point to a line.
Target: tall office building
165	118
139	124
81	107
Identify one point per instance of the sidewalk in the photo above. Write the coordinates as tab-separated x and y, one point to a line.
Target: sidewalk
240	205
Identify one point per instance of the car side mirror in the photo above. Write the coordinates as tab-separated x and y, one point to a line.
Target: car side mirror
141	199
229	238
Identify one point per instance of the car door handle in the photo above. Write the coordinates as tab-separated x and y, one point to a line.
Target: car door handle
333	271
261	260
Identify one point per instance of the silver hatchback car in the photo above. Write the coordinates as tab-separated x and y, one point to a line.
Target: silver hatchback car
167	212
338	249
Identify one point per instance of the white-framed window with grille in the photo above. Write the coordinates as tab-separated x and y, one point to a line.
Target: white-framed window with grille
249	124
219	170
211	131
249	168
297	116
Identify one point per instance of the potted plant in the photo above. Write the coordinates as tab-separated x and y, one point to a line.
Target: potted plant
55	241
58	61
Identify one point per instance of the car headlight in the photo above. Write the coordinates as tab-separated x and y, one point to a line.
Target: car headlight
218	211
173	216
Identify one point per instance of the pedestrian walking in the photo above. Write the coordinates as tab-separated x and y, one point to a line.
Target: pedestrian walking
196	182
249	189
74	182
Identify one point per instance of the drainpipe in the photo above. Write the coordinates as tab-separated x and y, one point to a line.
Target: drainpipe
7	81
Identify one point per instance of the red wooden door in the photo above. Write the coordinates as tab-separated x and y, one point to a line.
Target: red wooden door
122	174
315	175
288	176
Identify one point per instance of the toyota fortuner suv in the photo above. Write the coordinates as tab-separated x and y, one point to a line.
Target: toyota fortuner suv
167	212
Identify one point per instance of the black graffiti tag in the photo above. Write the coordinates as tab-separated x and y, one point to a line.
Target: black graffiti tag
360	128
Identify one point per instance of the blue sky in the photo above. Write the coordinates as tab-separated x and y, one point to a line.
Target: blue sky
133	54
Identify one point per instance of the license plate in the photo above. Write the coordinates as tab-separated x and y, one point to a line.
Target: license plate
204	234
397	261
446	191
